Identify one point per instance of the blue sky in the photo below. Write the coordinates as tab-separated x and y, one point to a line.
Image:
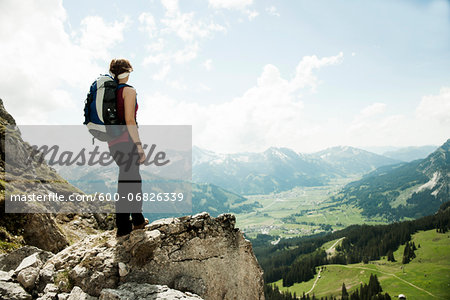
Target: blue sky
246	74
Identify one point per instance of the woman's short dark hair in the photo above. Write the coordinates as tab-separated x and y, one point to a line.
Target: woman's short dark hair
119	66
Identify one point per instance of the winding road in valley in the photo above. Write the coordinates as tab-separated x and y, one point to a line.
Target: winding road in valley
393	275
314	285
329	251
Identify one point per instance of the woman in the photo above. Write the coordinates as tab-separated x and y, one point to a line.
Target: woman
127	152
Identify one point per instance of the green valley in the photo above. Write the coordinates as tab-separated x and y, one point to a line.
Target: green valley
301	211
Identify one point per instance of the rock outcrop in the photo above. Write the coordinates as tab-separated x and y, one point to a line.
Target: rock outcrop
193	257
47	231
202	255
19	271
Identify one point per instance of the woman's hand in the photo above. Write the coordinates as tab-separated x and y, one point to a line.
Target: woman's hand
141	154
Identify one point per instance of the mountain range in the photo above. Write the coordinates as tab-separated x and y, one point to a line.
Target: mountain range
409	154
410	190
280	169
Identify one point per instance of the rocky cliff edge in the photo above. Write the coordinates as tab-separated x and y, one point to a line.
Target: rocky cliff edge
192	257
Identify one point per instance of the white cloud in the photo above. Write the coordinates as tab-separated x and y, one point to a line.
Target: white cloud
41	61
230	4
208	64
157	46
148	24
373	109
271	114
379	129
267	114
367	120
171	6
179	32
376	126
97	36
188	53
186	27
177	84
272	10
252	14
162	73
156	59
304	72
436	108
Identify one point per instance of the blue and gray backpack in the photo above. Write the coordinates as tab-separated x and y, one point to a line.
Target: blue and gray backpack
100	109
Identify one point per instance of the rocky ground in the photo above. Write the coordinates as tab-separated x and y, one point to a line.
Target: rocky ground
193	257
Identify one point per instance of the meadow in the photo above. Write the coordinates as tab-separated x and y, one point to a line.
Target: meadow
426	277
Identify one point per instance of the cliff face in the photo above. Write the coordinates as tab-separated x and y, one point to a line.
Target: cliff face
46	231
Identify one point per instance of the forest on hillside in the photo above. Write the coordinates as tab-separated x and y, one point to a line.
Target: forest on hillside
295	260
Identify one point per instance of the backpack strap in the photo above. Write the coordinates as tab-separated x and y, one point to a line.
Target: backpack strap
119	86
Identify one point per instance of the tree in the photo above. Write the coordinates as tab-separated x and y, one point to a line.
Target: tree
390	256
372	291
408	253
374	285
344	294
365	260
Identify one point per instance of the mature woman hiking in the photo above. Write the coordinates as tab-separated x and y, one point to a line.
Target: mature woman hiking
127	152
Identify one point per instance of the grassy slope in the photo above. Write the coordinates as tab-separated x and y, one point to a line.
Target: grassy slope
429	271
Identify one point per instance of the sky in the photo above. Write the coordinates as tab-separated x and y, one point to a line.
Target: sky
246	74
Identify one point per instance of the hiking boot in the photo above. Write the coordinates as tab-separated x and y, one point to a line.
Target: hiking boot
121	235
141	226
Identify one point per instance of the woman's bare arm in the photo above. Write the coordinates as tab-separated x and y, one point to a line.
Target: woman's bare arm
129	96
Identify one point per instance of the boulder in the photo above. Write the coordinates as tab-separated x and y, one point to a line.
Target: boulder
12	290
6	276
27	277
49	296
30	261
28	270
51	288
11	261
78	294
137	291
42	231
63	296
197	254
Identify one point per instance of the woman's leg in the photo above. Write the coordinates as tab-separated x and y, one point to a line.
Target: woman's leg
137	218
134	186
123	223
130	184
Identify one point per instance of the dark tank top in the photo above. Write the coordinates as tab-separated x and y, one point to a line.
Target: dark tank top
124	137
